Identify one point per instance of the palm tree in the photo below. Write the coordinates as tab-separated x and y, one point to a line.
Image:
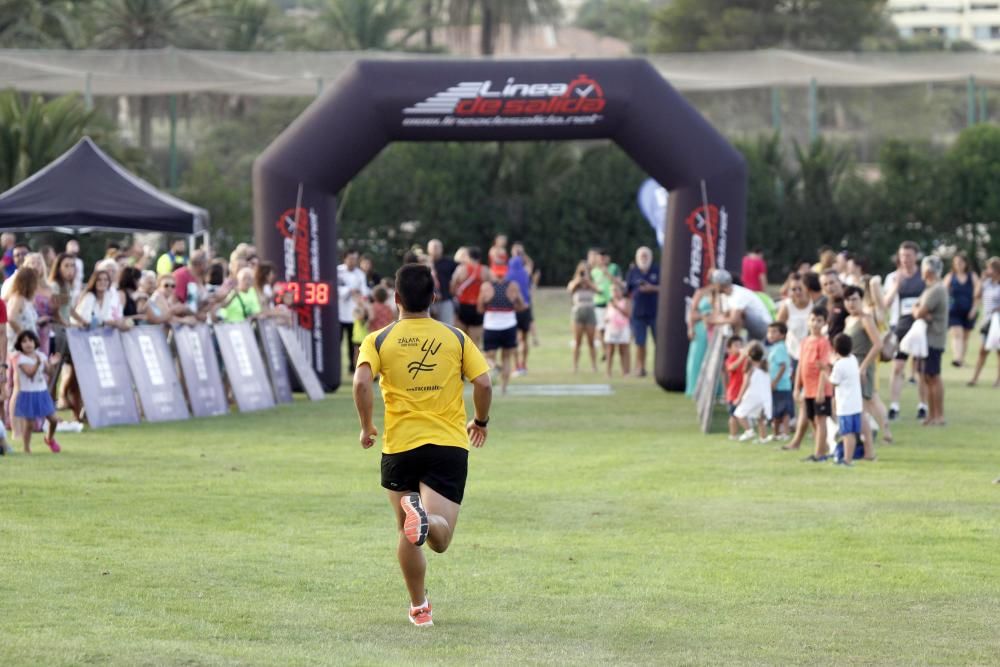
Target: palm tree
492	14
146	24
242	25
37	23
34	132
368	24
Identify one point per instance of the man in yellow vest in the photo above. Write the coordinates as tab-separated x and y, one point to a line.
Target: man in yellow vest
173	259
422	364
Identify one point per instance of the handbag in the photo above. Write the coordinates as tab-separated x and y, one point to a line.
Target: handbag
914	343
890	346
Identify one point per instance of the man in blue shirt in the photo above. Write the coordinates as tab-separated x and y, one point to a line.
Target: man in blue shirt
643	283
781	368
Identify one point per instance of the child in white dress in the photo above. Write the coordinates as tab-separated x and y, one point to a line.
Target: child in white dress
755	401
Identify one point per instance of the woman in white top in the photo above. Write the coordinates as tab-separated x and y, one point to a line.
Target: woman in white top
794	312
98	305
988	295
21	316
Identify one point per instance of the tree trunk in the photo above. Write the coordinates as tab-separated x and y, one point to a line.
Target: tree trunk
428	24
145	122
486	45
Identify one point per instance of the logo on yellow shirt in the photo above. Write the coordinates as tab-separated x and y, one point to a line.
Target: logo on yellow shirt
429	348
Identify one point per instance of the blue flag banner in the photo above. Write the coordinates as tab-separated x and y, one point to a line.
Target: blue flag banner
244	366
154	374
653	204
277	362
105	382
300	364
200	366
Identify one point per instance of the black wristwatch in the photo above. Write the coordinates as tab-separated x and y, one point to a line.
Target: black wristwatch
481	424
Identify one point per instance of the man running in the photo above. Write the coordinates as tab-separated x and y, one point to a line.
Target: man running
425	450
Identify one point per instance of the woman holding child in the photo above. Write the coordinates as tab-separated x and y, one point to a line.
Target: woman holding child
866	344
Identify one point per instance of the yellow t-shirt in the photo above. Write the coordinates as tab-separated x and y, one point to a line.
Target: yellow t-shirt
422	363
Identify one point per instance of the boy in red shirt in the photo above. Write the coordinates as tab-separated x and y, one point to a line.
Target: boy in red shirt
814	360
736	363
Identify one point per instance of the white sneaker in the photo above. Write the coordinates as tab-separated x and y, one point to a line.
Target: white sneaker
748	435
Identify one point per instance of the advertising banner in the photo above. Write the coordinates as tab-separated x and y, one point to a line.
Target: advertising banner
277	361
200	367
154	374
244	366
102	371
300	365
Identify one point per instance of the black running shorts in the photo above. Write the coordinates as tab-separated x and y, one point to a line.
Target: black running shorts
442	468
470	315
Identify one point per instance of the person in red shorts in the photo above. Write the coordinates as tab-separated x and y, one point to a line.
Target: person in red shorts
736	363
814	360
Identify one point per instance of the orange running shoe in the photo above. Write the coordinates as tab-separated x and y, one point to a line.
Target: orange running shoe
415	526
421	616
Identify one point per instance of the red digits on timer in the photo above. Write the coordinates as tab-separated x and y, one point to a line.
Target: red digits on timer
308	293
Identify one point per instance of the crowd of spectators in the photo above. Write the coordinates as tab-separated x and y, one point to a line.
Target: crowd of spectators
822	344
45	292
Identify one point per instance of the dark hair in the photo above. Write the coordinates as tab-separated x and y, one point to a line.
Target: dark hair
54	274
811	281
264	268
411	257
350	251
415	287
129	279
820	312
850	290
842	344
113	245
217	272
22	244
755	351
733	339
910	245
780	326
475	254
26	333
380	294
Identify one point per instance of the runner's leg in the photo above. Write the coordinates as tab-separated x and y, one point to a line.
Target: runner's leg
411	557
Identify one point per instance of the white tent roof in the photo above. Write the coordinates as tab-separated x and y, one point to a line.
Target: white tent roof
302	73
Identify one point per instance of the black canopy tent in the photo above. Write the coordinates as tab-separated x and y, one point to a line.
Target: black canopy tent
85	190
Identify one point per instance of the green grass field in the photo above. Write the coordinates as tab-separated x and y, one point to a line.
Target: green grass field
595	530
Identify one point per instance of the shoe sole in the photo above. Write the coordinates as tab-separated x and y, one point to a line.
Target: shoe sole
421	625
415	524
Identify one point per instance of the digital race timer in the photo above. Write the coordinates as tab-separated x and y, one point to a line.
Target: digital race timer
307	293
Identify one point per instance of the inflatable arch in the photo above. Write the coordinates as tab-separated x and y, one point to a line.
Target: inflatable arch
298	176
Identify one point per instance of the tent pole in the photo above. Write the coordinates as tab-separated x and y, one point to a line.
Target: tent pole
970	113
319	86
88	92
776	110
206	241
813	110
173	142
982	105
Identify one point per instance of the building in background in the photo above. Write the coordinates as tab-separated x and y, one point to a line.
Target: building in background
976	21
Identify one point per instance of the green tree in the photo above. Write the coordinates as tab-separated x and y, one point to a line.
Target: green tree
973	198
34	132
491	14
369	24
628	20
724	25
242	25
38	24
146	24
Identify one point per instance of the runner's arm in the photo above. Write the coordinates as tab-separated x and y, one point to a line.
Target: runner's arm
364	399
482	398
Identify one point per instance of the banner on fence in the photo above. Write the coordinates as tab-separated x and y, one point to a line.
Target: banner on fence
154	374
102	371
277	361
200	367
244	366
300	365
